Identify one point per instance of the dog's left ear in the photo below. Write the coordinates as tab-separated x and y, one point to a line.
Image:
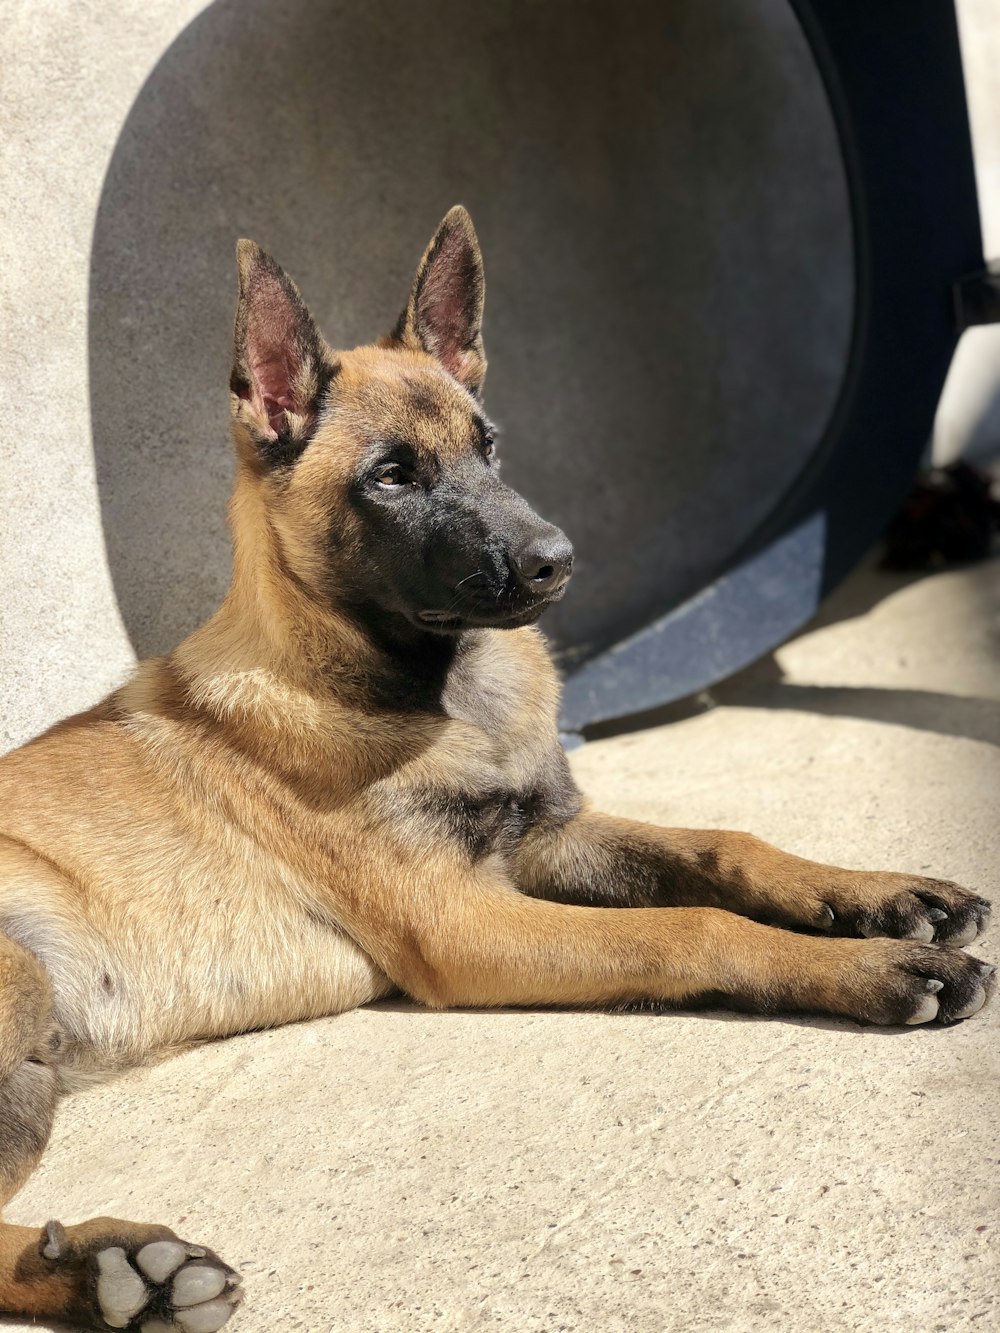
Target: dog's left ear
444	314
279	368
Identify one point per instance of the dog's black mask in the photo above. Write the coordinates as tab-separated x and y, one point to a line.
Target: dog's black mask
447	545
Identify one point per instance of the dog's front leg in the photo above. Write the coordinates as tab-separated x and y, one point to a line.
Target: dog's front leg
603	860
461	935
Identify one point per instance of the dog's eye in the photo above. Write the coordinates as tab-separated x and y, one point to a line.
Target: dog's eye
390	474
489	449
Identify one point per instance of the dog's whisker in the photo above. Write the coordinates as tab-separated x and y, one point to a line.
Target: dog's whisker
480	573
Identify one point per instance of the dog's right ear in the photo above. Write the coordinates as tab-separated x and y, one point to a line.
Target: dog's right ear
280	370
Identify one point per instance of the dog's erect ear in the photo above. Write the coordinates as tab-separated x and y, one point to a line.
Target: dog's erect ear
444	314
279	370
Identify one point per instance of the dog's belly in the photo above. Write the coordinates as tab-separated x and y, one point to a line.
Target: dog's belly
182	959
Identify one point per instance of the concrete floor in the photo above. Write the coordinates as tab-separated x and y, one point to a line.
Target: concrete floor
394	1170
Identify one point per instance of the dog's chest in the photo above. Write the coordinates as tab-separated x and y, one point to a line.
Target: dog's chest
487	822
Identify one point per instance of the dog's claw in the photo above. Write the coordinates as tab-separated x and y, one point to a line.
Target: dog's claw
934	986
56	1240
936	914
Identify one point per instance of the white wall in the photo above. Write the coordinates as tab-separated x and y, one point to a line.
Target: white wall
968	419
70	76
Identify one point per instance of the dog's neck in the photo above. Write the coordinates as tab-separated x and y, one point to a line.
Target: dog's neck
408	668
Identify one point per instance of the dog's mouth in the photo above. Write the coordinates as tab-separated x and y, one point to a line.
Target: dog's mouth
440	619
453	622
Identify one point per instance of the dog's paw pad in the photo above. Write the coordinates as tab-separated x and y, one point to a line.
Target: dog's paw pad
121	1292
204	1318
965	934
56	1242
927	1008
166	1286
196	1284
161	1259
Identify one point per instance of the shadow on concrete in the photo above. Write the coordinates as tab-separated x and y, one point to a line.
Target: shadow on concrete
925	710
763	686
652	1009
664	217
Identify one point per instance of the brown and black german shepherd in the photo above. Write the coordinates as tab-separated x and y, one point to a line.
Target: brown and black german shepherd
349	783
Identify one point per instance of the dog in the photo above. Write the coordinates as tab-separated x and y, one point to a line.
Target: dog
349	783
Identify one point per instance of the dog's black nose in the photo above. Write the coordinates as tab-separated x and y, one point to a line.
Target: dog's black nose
545	564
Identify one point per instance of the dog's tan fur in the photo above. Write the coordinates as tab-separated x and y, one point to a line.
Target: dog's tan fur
241	836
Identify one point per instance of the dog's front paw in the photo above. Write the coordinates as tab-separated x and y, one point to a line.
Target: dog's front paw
905	907
898	982
147	1286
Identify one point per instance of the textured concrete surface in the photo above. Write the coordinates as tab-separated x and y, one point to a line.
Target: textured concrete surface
64	97
395	1171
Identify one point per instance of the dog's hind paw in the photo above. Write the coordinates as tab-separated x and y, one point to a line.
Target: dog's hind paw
145	1285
